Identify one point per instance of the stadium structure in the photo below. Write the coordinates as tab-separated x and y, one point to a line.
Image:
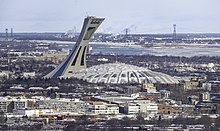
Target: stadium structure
76	60
116	73
119	73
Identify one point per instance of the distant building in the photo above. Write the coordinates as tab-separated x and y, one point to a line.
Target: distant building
29	74
193	99
62	105
103	59
207	86
6	105
54	117
9	104
55	57
102	108
151	96
169	109
26	112
149	88
206	107
165	94
5	74
204	97
20	104
131	89
188	85
147	106
131	108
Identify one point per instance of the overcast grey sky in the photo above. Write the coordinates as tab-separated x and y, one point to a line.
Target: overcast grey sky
141	16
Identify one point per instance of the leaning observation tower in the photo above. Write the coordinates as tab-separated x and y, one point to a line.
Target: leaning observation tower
76	60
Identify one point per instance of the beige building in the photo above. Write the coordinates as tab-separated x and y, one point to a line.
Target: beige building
188	85
150	88
169	109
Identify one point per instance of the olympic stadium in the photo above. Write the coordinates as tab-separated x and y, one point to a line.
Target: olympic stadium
112	73
119	73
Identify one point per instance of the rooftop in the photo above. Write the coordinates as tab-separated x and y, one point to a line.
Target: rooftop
119	73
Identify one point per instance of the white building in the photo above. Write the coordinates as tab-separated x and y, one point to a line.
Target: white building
3	105
32	112
62	105
152	108
146	106
132	108
103	59
20	103
26	112
29	74
165	94
102	108
8	104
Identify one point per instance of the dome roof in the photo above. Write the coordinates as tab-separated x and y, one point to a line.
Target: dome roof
119	73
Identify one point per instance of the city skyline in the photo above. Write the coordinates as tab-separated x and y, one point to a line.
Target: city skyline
190	16
159	69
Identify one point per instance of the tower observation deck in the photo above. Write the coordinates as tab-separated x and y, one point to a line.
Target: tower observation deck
76	60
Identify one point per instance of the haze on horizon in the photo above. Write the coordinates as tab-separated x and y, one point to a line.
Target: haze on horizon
140	16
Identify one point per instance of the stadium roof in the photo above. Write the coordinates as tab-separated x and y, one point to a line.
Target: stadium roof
119	73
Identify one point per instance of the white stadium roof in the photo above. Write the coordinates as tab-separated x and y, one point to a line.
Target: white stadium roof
119	73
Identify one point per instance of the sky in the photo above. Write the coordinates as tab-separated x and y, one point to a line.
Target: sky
140	16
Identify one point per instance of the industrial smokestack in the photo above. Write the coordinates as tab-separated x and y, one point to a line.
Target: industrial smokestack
11	32
6	34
